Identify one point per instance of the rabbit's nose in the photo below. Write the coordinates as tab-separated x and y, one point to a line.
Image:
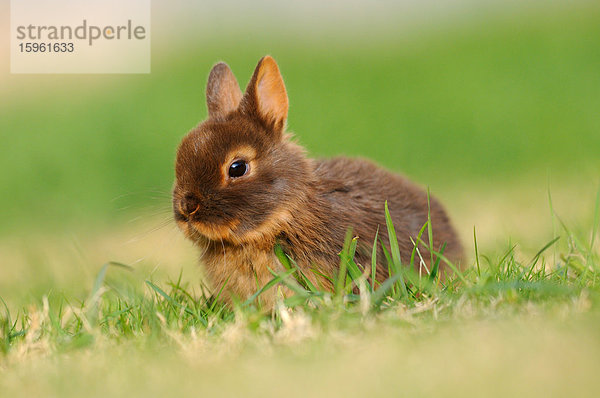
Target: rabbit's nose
189	205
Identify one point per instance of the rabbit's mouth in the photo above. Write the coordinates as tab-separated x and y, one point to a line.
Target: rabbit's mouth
233	232
197	231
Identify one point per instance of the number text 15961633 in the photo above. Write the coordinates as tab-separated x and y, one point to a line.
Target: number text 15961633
46	47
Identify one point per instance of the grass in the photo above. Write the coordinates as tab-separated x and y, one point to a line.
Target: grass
511	311
129	308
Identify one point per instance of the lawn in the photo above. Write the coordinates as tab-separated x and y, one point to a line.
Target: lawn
498	115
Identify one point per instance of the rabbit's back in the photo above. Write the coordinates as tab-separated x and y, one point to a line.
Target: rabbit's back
356	190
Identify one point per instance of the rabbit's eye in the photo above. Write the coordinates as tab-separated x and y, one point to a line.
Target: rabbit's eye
238	169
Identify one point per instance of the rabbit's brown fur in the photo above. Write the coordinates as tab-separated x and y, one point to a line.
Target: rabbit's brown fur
305	205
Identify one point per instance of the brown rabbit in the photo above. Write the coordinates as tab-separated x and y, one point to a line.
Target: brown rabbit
242	185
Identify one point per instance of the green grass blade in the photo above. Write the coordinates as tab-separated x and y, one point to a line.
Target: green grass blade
415	247
374	261
380	294
535	258
429	227
170	299
290	282
282	257
552	216
288	263
395	249
595	227
277	279
98	281
449	263
390	263
476	252
216	298
342	271
436	266
353	270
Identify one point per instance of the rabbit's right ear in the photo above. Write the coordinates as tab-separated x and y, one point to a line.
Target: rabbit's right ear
266	96
223	93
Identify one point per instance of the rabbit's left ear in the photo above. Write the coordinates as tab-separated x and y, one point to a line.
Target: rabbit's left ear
223	93
266	96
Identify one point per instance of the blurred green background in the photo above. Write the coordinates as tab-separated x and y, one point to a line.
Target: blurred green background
497	97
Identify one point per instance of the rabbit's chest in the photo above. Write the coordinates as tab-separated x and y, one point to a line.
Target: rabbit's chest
240	272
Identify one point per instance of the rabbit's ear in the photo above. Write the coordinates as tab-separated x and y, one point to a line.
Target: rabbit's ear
266	96
223	93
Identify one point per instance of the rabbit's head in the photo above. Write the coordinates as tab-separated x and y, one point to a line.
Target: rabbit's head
237	172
